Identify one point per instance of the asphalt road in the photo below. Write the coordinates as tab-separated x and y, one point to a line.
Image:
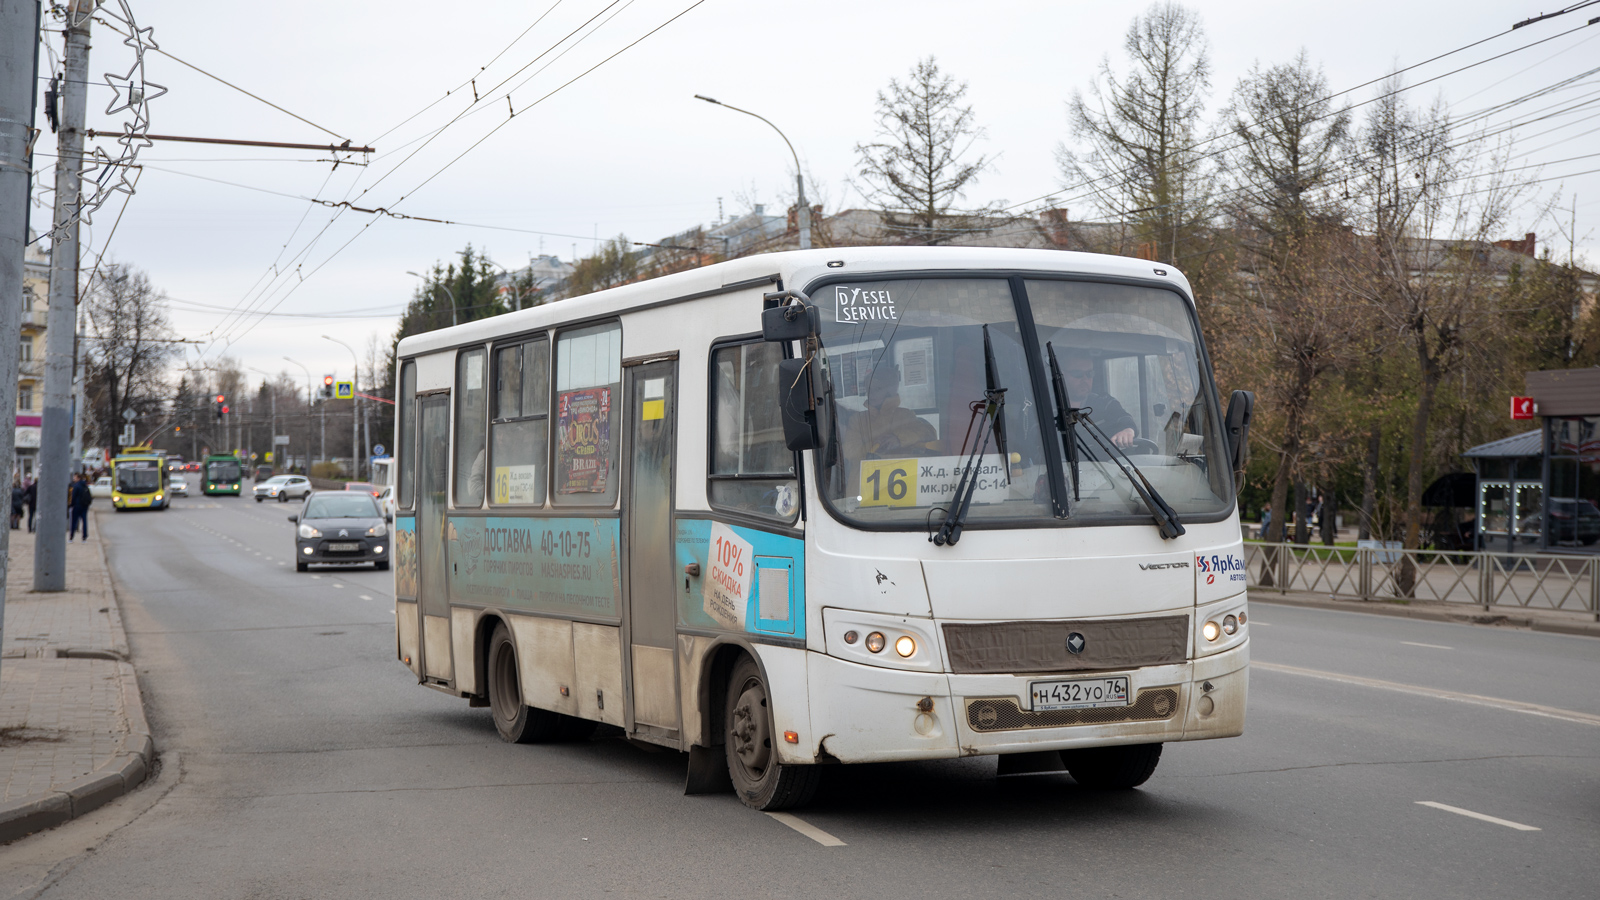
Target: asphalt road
300	760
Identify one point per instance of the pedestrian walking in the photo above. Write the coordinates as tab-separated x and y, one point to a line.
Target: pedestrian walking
16	502
30	499
78	500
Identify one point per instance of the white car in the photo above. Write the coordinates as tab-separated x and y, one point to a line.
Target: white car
178	485
282	488
386	502
101	487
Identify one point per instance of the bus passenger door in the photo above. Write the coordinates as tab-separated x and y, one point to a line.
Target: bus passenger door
651	625
433	479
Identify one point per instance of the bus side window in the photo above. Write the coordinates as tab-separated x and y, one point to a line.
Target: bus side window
405	429
472	413
587	424
751	469
519	434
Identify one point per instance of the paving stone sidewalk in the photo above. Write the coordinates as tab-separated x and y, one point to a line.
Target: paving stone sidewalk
72	730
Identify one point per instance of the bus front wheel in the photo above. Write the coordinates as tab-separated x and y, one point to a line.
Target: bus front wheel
1112	768
758	778
517	722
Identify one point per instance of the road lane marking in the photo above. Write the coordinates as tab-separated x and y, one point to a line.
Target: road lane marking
366	596
1429	646
337	585
807	829
1473	815
1532	709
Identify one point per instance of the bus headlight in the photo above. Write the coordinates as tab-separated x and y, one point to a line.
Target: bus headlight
1230	625
904	645
1211	631
875	642
307	532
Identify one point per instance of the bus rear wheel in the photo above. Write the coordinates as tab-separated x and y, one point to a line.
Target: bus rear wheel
758	778
517	722
1112	768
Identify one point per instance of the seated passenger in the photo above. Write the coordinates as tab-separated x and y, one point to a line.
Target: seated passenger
1077	369
885	429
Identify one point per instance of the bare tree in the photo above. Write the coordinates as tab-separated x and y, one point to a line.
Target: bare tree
130	346
922	161
1291	226
1432	203
613	264
1140	132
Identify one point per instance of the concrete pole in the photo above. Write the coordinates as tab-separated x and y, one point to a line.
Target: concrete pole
19	67
50	545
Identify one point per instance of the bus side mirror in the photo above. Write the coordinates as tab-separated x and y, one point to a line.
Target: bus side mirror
796	404
792	322
1241	408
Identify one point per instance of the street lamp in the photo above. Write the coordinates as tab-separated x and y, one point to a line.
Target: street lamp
509	277
799	179
310	398
355	405
447	290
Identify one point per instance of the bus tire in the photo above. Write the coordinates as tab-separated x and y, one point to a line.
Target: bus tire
1112	768
759	779
517	722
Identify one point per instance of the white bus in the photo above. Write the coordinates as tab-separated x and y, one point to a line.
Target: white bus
833	506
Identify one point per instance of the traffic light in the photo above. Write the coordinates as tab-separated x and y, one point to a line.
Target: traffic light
219	407
224	410
327	387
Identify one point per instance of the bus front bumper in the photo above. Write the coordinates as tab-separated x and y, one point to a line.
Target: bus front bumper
869	714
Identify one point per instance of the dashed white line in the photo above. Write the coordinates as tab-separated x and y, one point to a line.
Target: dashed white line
1469	814
366	596
1429	646
807	829
1517	706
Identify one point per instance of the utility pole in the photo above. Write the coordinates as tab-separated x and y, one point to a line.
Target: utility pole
50	545
19	70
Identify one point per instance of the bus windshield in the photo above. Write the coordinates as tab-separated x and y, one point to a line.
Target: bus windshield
138	477
222	471
903	365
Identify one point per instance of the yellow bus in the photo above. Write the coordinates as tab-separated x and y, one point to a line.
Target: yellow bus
139	480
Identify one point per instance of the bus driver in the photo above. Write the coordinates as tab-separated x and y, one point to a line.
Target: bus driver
1077	368
885	429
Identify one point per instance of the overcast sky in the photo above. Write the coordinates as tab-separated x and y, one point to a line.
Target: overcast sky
626	148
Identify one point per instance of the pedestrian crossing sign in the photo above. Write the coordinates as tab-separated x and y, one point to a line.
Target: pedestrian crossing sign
344	390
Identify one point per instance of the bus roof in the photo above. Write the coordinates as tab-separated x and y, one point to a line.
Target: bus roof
796	268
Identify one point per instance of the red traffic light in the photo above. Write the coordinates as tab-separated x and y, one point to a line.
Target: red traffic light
327	380
220	398
224	410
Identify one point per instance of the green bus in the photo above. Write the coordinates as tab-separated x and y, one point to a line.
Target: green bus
221	473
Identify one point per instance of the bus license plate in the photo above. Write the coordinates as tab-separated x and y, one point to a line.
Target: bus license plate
1082	693
337	547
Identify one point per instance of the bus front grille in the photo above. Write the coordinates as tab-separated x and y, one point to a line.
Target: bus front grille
1003	713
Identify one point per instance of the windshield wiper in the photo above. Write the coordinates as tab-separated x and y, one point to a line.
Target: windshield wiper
1166	517
993	408
1066	417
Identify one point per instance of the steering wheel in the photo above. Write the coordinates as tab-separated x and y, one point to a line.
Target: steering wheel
1142	446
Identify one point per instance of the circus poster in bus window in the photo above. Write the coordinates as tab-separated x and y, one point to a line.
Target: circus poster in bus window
583	449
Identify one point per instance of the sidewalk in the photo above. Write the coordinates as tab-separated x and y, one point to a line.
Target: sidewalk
1534	618
72	730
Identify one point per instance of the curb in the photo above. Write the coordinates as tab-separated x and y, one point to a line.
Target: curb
125	770
1434	613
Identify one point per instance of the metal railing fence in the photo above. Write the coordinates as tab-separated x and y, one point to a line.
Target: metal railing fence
1486	580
